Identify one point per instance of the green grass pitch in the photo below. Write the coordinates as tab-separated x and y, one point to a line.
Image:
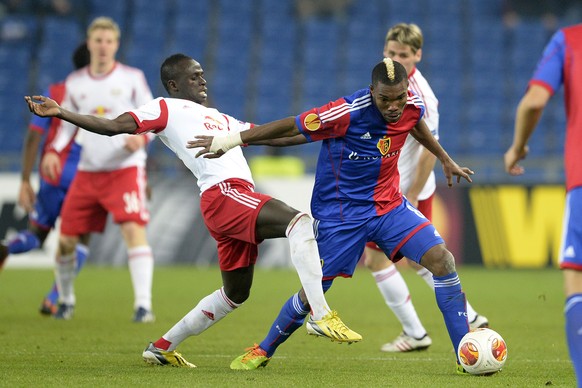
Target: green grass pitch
102	347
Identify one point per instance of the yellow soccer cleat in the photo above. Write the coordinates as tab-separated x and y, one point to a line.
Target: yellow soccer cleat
331	326
155	356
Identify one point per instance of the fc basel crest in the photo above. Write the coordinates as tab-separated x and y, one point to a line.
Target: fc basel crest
384	145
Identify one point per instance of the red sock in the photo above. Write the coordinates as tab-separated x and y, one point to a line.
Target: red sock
162	344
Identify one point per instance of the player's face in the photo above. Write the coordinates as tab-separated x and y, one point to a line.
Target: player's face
103	44
191	84
402	53
390	99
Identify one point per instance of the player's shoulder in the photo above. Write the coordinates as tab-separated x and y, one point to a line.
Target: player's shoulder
414	99
130	70
78	74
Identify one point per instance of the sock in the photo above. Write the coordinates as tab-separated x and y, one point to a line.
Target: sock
573	313
23	242
397	296
65	278
305	258
471	313
82	252
426	275
207	312
451	301
141	269
290	318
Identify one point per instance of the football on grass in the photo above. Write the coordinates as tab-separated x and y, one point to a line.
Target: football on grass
482	352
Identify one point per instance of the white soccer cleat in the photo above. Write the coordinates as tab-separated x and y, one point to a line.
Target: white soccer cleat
479	322
405	343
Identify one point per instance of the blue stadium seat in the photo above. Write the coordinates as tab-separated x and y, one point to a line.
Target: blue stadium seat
118	10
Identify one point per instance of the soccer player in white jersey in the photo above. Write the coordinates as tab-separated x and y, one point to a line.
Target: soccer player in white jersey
111	172
237	217
403	43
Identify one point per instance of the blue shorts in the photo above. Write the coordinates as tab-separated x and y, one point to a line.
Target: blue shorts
47	208
403	231
571	249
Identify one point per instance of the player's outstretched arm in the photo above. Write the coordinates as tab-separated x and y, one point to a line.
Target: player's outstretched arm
46	107
450	167
214	147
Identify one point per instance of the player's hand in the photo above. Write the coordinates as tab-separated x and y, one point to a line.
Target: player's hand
511	157
134	143
42	106
450	168
50	166
204	142
26	196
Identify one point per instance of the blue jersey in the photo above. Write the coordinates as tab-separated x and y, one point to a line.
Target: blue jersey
561	64
357	170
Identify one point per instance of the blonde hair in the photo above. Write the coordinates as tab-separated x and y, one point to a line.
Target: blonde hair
406	34
389	68
105	23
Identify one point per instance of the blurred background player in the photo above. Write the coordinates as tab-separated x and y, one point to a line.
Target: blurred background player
44	207
404	43
111	175
561	63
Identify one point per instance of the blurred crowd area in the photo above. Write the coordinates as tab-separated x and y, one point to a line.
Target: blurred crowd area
267	59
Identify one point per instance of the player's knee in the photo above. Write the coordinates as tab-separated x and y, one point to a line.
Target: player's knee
67	244
237	294
439	260
375	260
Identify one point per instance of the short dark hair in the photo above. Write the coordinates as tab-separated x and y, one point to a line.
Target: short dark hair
81	56
169	70
388	72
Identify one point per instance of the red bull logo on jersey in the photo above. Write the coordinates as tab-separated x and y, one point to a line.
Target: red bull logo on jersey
312	122
100	111
384	145
212	124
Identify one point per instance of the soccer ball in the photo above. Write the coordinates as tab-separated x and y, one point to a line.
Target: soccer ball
482	352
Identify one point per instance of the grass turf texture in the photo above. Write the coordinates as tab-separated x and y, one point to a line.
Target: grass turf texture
102	347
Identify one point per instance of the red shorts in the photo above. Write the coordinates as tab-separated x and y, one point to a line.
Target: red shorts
424	206
230	210
93	195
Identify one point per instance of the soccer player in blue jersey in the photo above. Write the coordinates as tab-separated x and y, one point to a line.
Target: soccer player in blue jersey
561	63
44	207
357	198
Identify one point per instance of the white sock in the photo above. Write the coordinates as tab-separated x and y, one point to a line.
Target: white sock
471	313
207	312
426	275
141	269
305	258
396	295
65	273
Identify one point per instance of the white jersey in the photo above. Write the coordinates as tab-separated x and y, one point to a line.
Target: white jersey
177	121
108	96
411	150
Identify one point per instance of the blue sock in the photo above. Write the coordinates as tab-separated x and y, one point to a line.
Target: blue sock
290	318
24	241
81	252
452	303
573	312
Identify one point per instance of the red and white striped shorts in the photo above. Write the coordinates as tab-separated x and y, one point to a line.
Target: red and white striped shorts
230	210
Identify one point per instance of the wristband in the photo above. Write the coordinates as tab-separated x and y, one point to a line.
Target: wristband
225	143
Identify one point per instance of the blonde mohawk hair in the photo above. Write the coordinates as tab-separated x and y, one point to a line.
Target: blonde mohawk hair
389	68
